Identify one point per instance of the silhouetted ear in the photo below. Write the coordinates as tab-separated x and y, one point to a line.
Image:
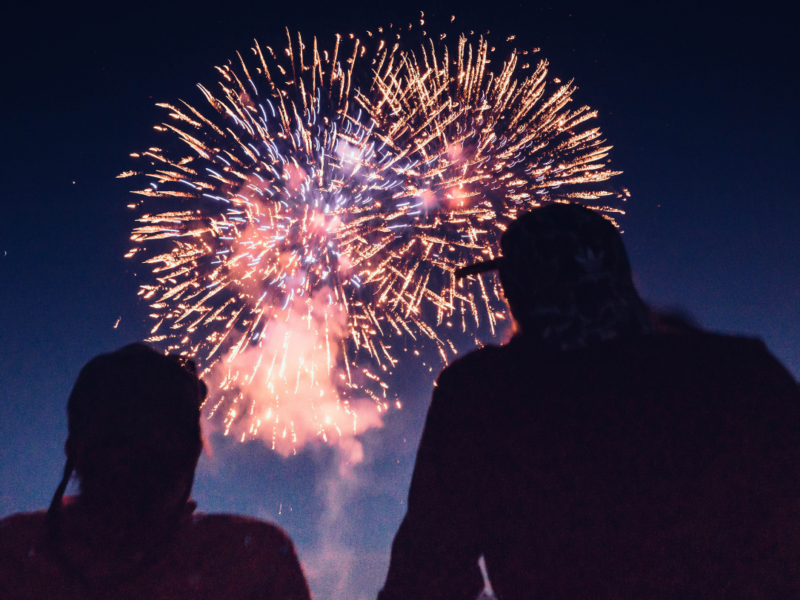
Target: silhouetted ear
203	390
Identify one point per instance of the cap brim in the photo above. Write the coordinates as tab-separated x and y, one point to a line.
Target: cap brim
477	268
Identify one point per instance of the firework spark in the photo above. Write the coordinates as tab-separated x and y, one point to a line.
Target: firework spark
318	207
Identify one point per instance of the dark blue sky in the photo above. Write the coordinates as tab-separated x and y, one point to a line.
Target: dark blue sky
699	103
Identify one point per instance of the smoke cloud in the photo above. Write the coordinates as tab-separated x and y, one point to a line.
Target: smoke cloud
289	390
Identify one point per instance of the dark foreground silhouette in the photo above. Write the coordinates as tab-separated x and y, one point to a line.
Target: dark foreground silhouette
134	440
595	457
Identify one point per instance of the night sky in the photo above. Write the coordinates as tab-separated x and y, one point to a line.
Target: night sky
699	103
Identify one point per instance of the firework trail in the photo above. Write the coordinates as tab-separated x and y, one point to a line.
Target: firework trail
310	222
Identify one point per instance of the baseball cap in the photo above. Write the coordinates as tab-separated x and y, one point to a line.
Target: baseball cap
557	245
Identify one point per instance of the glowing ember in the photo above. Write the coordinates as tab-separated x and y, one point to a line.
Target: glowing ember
320	205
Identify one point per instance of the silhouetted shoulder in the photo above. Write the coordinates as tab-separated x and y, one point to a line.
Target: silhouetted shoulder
735	356
477	362
240	534
237	549
21	538
694	360
20	533
212	556
695	347
703	339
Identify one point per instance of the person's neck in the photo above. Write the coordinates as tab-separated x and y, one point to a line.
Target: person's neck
125	521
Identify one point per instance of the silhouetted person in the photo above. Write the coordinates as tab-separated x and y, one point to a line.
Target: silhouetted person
593	457
134	440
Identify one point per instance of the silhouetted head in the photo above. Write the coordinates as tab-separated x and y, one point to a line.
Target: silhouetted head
566	277
134	431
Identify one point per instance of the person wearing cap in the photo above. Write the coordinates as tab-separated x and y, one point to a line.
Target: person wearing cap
134	441
596	456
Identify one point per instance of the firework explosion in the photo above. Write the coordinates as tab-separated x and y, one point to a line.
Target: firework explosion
318	207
